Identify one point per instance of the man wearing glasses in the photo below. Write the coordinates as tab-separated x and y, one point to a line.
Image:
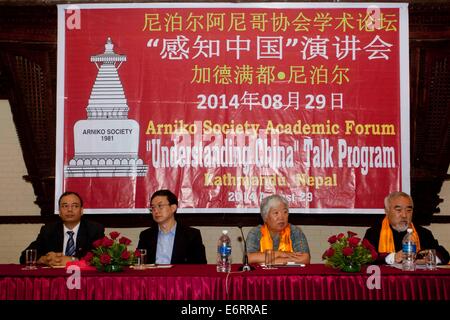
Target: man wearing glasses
170	242
68	239
386	236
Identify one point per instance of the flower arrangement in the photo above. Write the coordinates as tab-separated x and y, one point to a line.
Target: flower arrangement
348	253
110	254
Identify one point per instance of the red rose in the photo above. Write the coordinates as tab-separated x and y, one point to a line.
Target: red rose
107	242
88	257
340	236
114	235
124	241
366	244
98	243
329	252
374	254
125	255
332	239
347	251
351	234
105	258
137	253
353	241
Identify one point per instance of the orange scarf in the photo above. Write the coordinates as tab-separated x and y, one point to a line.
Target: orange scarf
386	243
266	241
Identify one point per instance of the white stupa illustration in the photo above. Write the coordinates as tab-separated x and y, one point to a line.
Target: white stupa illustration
107	143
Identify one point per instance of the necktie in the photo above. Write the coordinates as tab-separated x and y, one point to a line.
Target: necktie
70	248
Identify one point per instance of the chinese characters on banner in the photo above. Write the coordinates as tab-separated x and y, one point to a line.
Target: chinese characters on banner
227	103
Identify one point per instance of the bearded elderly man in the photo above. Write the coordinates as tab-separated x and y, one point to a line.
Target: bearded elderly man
387	235
288	241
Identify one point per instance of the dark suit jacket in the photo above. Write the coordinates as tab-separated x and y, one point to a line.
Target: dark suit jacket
51	238
188	247
426	238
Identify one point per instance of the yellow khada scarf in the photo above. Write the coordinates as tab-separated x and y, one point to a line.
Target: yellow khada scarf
386	243
266	241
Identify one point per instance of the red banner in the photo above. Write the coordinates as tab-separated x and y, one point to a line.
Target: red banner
227	104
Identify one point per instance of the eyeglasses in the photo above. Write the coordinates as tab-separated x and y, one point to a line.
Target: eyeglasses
158	207
72	206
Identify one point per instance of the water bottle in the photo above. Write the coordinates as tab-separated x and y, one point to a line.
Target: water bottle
224	253
409	251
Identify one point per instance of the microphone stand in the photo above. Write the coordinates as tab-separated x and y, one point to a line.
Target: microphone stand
246	266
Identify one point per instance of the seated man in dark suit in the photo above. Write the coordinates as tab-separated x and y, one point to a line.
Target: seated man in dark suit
387	235
68	239
170	242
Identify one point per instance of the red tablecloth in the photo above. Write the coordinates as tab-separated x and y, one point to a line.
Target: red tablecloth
202	282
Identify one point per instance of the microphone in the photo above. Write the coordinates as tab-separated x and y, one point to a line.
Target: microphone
245	266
